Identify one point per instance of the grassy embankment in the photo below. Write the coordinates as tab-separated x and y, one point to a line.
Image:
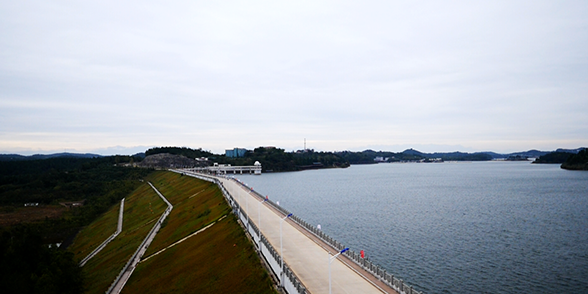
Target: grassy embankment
142	208
218	260
95	233
196	204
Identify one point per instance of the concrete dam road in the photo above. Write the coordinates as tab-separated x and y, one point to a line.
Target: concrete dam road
307	259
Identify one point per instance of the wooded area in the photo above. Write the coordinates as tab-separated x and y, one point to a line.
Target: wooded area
30	260
577	161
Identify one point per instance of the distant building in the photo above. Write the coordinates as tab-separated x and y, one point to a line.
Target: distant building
235	152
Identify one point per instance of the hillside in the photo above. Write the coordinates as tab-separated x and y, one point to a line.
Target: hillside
218	259
278	160
409	155
577	161
29	256
167	160
553	157
17	157
272	159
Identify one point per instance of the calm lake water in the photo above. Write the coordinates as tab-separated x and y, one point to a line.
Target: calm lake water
481	227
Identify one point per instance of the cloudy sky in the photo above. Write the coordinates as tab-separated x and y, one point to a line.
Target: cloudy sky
122	76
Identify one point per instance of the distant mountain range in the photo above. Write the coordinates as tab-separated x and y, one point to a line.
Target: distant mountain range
531	153
486	155
15	157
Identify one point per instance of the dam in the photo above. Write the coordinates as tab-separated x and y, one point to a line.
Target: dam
301	257
223	169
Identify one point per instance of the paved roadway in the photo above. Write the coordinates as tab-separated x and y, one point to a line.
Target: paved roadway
306	256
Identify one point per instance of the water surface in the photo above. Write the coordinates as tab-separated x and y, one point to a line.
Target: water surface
482	227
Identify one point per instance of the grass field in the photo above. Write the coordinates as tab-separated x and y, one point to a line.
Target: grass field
142	208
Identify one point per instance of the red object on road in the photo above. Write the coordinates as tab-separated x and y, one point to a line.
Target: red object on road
362	254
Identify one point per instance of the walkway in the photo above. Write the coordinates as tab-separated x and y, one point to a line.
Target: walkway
118	230
306	256
128	269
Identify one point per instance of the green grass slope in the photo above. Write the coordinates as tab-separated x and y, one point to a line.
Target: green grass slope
218	260
196	204
95	233
142	208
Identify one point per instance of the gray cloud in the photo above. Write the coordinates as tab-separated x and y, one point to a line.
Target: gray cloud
479	76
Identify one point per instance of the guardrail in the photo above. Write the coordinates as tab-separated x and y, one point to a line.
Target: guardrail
376	270
290	281
101	246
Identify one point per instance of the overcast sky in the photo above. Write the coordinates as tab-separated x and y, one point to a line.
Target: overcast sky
122	76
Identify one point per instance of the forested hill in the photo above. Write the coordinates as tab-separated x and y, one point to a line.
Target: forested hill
63	179
272	159
17	157
577	161
27	263
409	155
554	157
190	153
277	160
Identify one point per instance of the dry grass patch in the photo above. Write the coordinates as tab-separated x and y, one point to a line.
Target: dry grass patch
10	216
